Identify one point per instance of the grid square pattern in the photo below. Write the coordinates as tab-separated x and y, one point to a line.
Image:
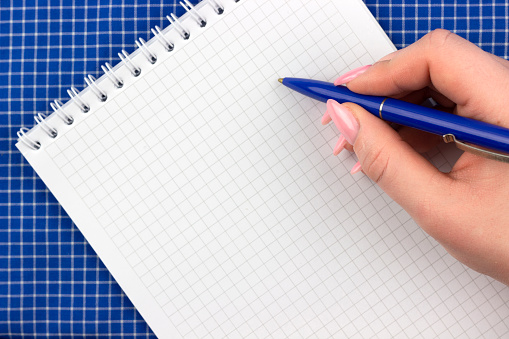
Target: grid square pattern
51	280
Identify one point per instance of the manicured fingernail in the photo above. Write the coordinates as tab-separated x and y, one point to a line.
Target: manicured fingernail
356	168
339	145
344	120
326	118
350	75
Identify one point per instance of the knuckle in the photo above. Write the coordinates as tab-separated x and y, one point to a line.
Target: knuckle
439	38
375	162
396	80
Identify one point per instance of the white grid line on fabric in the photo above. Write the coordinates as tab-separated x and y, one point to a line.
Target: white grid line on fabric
14	159
35	190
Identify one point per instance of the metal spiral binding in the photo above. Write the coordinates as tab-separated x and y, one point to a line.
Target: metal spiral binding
112	76
217	6
39	119
160	37
74	95
35	145
146	52
184	33
97	91
57	107
135	70
193	12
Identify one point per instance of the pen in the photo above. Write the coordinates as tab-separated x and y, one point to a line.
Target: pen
466	133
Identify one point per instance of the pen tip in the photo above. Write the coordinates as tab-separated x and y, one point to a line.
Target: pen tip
280	80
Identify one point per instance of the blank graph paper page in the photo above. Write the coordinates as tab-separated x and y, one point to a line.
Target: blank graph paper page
210	190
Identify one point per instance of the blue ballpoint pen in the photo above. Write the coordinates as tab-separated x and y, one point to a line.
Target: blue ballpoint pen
466	133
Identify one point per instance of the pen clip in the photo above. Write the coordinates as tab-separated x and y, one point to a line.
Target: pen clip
448	138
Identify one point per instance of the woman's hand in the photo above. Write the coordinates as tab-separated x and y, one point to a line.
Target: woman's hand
466	210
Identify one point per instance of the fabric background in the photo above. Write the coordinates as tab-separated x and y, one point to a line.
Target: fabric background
51	281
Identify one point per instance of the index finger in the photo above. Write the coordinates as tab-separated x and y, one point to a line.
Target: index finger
473	79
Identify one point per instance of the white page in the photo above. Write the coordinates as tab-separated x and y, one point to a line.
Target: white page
210	191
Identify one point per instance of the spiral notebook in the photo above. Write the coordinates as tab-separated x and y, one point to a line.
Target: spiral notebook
210	191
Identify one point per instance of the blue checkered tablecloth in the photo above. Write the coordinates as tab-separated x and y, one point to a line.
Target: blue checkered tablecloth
51	281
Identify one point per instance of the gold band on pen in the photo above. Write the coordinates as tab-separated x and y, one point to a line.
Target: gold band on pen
380	110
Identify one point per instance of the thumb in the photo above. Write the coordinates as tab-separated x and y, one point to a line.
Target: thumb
388	160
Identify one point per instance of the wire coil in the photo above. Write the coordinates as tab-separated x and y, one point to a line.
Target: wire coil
109	72
217	6
39	119
117	82
184	33
193	12
97	91
35	145
57	107
75	97
146	52
160	37
135	70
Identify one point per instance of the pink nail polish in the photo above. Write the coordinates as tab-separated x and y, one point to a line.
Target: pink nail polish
356	168
344	120
339	145
326	118
350	75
